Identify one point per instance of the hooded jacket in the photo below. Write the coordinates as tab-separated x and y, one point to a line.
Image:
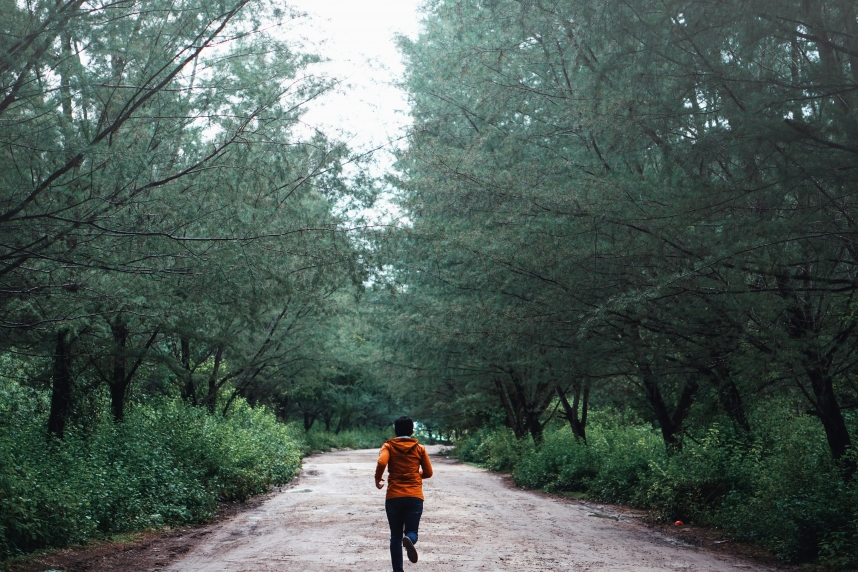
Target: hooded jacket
407	465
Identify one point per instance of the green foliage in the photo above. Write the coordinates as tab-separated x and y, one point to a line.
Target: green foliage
496	449
785	491
211	260
778	488
609	190
358	438
166	464
611	467
612	201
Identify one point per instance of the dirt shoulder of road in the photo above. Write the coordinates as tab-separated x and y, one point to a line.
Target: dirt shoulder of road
143	550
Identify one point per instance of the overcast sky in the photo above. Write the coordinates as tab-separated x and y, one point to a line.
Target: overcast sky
357	36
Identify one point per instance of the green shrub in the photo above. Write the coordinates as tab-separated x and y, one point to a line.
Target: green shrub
359	438
496	449
625	462
505	450
561	464
789	495
613	466
777	487
470	448
166	463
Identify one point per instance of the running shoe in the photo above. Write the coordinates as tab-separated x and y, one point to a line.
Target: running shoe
409	548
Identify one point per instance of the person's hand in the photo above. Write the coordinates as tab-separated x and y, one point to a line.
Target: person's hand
379	484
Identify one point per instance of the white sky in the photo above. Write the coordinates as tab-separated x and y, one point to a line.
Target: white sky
357	36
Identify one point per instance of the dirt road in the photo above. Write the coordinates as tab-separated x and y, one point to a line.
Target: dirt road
333	519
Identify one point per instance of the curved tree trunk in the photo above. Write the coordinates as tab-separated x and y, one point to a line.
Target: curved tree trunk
523	405
343	422
580	396
805	324
669	423
121	378
729	396
828	410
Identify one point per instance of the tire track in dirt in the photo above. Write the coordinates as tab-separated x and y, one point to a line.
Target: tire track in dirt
332	518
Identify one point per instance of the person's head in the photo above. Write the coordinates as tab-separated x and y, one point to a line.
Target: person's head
403	427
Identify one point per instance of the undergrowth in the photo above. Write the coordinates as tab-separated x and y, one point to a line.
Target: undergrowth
777	487
167	463
317	440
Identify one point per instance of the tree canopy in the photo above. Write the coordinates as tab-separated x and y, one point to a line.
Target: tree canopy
655	196
164	214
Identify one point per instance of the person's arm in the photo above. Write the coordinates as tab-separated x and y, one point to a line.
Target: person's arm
425	465
383	458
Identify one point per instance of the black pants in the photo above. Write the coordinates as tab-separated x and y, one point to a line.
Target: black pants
403	516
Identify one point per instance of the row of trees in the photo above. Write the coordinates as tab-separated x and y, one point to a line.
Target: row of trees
167	225
650	203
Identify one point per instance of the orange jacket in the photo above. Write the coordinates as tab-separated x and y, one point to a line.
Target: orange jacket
404	459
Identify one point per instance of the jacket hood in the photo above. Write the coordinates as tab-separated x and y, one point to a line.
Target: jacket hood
401	445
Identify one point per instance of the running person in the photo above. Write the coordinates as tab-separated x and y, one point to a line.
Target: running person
407	465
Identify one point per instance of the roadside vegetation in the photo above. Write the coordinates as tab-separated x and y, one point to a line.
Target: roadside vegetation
637	220
777	487
166	464
358	438
178	282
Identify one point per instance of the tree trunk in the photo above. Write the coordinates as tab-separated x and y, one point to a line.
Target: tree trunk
211	398
119	381
342	423
804	326
729	396
731	401
523	409
309	419
327	417
535	427
508	406
61	393
580	395
828	409
189	393
670	424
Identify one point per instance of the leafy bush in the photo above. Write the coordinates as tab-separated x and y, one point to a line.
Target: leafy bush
360	438
470	448
559	465
612	466
496	449
167	463
788	493
777	487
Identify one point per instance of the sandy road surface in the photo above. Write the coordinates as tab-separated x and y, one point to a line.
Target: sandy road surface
333	519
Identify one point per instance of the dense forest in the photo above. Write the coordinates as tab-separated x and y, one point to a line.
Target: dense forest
631	250
623	267
174	250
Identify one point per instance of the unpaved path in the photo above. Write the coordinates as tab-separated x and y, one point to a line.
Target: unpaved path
333	519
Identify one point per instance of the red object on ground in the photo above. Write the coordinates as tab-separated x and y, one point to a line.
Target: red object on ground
678	523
